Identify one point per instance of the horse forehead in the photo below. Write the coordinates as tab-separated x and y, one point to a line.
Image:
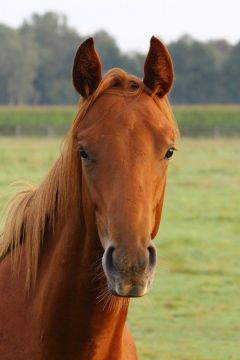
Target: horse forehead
127	112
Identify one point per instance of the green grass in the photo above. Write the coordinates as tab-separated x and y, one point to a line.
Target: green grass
193	309
208	120
40	121
197	120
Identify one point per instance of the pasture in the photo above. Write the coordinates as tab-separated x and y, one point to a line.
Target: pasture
193	310
193	120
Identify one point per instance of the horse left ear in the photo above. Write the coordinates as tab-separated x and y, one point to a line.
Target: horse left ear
158	69
87	69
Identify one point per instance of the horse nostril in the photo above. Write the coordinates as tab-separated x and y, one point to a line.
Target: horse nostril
109	259
152	256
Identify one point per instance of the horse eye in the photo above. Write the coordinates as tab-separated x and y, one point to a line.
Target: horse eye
169	153
83	154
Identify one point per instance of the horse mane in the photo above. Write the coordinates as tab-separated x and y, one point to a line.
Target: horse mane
36	210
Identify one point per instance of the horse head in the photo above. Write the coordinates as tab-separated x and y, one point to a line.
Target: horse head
125	140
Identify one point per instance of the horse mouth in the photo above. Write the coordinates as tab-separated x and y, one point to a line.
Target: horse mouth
128	291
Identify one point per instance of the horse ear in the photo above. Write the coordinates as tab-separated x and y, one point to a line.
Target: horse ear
158	69
87	69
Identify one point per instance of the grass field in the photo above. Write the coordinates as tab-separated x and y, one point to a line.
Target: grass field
195	120
193	310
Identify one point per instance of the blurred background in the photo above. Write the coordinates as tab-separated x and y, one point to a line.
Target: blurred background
193	311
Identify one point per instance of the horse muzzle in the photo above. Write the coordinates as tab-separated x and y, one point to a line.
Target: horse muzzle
129	274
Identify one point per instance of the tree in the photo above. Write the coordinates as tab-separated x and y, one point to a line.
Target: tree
18	62
196	72
221	50
107	49
36	62
231	76
56	44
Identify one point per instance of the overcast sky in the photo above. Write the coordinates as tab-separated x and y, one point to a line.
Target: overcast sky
132	22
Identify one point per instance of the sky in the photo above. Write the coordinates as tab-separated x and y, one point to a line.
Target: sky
133	22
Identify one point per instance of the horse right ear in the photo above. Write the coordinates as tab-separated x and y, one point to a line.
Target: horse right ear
87	69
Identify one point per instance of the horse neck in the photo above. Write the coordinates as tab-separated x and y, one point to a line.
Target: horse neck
71	290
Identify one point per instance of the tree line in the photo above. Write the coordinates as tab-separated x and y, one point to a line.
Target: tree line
36	61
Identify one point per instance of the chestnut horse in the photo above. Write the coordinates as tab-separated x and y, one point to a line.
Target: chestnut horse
76	248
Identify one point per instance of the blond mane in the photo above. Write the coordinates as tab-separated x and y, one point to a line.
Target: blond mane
37	210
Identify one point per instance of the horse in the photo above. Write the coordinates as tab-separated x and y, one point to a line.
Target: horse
75	249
